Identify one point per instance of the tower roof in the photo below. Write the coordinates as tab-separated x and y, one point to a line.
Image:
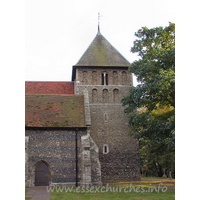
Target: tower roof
102	53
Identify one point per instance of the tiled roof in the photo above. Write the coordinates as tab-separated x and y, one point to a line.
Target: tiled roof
54	111
102	53
49	88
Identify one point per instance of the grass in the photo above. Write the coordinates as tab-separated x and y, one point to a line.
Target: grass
144	190
27	198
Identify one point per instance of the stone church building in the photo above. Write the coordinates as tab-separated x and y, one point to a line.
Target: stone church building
76	133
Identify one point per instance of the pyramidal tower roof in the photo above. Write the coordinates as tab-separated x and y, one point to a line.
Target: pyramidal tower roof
102	53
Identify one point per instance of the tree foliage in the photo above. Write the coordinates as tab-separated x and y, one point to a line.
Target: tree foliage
151	104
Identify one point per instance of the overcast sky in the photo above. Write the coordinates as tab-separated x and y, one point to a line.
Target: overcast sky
58	32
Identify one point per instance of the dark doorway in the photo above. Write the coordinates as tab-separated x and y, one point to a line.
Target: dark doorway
42	174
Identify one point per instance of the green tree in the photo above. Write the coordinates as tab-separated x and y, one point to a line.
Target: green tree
151	104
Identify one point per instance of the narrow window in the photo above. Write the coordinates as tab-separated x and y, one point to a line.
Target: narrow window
94	96
104	78
105	149
115	95
115	78
124	78
105	95
84	77
94	77
105	117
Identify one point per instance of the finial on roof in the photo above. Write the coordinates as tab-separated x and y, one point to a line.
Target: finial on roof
99	33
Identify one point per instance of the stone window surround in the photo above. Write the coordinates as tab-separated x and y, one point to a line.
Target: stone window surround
104	76
107	149
105	116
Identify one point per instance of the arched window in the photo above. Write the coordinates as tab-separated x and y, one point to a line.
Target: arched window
94	77
115	95
115	78
105	95
94	96
124	78
104	78
84	77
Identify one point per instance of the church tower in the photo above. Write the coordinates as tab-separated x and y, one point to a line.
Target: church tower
102	74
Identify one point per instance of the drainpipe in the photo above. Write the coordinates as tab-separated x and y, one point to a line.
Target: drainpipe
76	157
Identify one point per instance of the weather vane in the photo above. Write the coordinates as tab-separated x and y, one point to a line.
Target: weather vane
99	22
98	17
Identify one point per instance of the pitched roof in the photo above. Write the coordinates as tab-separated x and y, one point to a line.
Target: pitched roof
49	88
102	53
54	111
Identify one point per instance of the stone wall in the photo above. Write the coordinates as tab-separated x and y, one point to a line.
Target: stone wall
57	148
122	160
93	76
26	161
118	152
